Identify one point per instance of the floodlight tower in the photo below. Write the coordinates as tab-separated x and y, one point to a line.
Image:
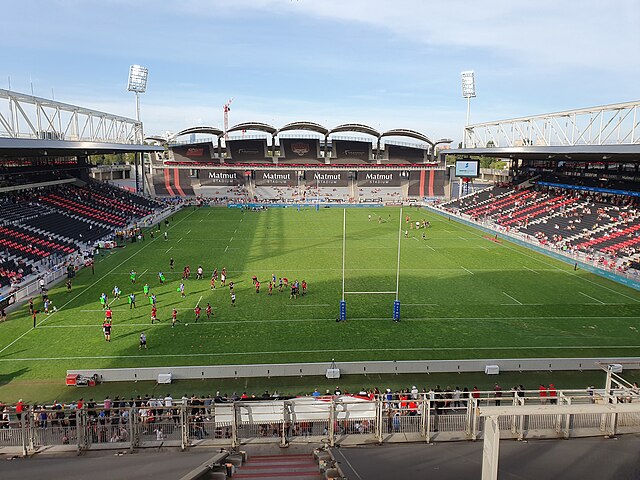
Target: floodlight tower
468	91
138	84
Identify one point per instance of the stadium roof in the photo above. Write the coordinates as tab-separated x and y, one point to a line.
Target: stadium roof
355	127
202	129
629	153
403	132
160	140
311	126
28	147
261	127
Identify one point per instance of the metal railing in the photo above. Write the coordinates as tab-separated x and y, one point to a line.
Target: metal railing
331	420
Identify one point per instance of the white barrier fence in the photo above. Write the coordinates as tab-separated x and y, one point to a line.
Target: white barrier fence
356	368
347	420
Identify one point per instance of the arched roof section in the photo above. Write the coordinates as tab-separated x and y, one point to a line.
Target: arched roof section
356	127
310	126
202	129
260	127
403	132
160	140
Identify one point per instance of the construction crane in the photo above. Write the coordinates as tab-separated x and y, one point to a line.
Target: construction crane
226	109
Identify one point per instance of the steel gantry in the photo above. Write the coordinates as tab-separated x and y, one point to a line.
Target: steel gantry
615	124
27	116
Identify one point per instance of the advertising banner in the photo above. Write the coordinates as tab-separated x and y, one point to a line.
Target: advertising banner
299	148
278	178
246	150
379	179
327	179
214	178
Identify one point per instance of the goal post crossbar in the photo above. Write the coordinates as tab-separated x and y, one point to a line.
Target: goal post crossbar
370	293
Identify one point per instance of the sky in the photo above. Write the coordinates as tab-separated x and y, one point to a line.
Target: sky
384	63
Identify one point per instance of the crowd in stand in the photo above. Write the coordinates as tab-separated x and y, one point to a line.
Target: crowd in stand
604	227
403	402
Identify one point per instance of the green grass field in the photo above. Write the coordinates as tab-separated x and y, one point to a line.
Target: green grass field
463	296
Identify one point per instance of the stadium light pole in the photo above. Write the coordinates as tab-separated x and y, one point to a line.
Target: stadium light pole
138	84
468	91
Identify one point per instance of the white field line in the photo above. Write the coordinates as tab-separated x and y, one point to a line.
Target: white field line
367	319
420	304
518	302
531	270
592	298
462	238
179	240
343	350
466	269
93	284
188	232
430	247
168	250
199	300
226	248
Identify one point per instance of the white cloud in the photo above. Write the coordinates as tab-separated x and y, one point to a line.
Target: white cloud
590	33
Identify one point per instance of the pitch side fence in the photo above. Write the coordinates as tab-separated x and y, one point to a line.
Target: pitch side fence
334	420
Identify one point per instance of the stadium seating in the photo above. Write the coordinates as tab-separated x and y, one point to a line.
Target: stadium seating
12	271
15	212
566	219
328	194
30	245
48	222
68	227
380	194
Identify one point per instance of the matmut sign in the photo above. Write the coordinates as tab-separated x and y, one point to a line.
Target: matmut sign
379	179
333	179
225	177
277	178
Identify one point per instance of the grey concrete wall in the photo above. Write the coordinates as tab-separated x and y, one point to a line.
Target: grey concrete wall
357	368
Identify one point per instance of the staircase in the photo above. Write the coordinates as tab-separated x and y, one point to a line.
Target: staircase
279	467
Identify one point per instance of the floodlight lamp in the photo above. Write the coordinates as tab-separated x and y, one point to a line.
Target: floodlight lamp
468	84
137	79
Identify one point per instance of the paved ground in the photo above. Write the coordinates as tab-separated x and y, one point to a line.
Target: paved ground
167	464
578	458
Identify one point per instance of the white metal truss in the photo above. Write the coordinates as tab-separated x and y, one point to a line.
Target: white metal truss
26	116
616	124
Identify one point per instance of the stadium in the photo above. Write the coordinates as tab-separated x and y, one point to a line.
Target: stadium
409	265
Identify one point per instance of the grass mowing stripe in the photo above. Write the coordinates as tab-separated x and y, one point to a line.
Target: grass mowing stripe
371	319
